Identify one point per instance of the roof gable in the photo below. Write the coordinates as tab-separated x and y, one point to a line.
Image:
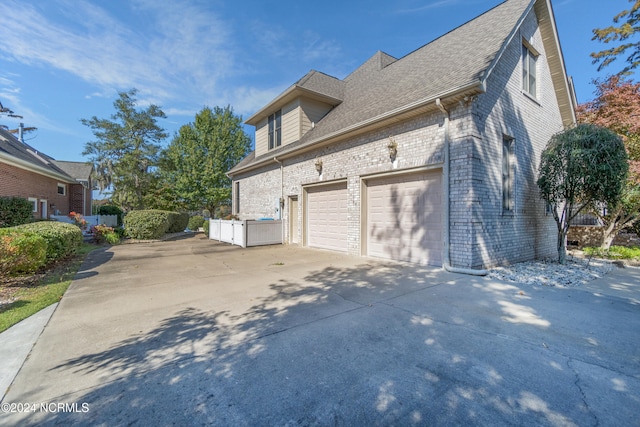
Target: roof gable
460	60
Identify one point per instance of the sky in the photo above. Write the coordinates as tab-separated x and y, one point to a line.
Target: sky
65	60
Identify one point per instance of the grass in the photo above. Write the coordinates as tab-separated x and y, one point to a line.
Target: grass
615	252
31	294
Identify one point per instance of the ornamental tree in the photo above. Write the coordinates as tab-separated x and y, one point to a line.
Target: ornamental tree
579	167
617	107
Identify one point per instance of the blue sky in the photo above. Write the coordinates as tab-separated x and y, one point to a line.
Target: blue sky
64	60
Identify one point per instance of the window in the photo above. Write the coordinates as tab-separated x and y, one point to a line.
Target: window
34	202
62	189
275	133
237	198
507	174
529	71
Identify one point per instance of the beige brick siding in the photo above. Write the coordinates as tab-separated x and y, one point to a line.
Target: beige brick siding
526	233
481	235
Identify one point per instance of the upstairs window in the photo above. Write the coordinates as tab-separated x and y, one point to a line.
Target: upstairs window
275	132
62	189
507	174
529	77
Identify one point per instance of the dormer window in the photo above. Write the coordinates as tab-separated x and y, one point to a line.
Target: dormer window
275	132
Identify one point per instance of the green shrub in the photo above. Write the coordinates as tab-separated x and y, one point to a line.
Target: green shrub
614	252
15	211
205	225
111	210
62	239
195	222
146	224
178	222
22	251
105	234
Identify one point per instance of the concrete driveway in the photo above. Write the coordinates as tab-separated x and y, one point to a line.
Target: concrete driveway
192	332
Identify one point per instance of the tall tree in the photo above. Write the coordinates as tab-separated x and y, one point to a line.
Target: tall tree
628	26
126	150
580	166
200	155
617	107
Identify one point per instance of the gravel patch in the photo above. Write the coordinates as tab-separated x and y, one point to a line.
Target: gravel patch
575	272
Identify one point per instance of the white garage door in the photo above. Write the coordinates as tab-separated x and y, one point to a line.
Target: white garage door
327	217
404	217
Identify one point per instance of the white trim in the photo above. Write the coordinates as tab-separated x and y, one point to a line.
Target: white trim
35	203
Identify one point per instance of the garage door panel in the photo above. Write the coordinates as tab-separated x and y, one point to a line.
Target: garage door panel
404	217
327	217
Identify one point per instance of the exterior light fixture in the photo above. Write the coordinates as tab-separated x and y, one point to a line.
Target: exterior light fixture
319	165
393	148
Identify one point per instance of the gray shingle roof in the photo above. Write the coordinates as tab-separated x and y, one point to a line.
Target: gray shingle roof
383	84
77	170
12	148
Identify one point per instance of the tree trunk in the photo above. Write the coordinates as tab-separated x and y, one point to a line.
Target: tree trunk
562	247
608	234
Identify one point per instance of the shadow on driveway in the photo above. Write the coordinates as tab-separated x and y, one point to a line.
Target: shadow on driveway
285	336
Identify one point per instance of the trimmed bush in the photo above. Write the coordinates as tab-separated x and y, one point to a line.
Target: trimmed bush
15	211
22	251
62	239
111	210
178	222
195	222
146	224
205	226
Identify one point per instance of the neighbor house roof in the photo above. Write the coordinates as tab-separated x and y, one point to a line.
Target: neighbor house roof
80	171
24	156
459	62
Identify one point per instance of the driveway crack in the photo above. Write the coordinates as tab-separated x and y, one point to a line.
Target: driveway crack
582	393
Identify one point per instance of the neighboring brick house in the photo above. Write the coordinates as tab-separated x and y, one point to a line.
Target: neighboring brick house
431	158
53	186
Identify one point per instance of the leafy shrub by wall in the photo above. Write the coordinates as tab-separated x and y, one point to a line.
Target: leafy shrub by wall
111	210
15	211
177	222
205	226
22	251
195	222
146	224
62	239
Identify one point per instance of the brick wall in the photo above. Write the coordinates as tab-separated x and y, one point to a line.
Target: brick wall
23	183
526	233
481	234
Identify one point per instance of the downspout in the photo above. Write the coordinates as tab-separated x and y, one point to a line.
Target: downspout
281	200
447	220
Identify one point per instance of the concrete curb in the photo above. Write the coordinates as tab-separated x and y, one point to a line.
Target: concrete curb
16	344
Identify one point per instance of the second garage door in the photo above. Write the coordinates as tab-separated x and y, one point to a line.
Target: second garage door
404	217
327	216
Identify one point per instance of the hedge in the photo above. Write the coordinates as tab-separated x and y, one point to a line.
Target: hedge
62	239
146	224
205	226
15	211
22	251
177	222
195	222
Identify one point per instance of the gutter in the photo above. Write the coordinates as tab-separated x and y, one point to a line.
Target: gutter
311	145
281	200
447	220
23	164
